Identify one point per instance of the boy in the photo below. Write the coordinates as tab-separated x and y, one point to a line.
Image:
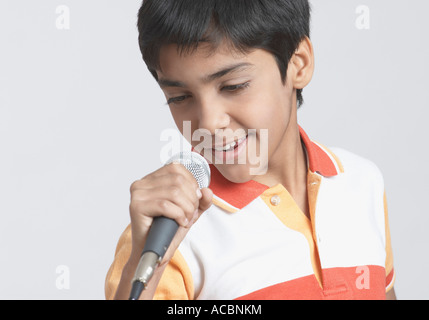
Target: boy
307	223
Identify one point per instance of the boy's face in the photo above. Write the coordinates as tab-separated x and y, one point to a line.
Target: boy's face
224	96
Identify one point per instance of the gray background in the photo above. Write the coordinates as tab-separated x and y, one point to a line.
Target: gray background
81	119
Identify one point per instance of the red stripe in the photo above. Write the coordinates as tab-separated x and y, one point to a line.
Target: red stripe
360	283
318	159
238	195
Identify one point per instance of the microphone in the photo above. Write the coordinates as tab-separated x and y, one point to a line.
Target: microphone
163	230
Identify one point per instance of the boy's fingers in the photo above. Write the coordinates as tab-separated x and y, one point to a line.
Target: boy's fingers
204	203
141	210
206	199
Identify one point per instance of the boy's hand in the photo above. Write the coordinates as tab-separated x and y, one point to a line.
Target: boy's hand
172	192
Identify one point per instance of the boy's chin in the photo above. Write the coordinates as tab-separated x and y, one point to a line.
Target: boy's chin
236	173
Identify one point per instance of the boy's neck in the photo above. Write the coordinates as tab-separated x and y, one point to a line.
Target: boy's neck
288	166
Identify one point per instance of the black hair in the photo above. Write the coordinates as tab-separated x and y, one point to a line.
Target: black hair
277	26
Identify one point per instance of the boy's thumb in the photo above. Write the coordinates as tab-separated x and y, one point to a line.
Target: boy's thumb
206	200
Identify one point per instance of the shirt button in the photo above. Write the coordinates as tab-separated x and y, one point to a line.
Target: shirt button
275	200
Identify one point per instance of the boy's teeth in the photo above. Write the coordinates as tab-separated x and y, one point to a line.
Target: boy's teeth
230	146
227	147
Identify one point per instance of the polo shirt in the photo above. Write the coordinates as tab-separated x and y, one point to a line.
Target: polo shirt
254	242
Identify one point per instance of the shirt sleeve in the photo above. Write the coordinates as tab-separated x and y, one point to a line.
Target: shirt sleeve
390	271
122	254
176	282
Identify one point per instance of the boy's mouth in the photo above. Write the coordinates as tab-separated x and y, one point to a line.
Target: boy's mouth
230	152
229	146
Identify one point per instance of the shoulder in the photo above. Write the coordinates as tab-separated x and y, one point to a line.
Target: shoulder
357	167
360	182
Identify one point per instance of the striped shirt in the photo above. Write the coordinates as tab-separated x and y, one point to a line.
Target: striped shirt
254	242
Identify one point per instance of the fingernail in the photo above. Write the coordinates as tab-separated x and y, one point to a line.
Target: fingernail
199	194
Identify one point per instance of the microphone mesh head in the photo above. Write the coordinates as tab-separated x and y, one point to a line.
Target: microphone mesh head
195	164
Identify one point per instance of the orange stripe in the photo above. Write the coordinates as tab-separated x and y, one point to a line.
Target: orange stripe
122	254
176	282
296	220
224	206
333	155
389	253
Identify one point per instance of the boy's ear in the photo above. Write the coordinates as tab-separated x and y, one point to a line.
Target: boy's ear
302	63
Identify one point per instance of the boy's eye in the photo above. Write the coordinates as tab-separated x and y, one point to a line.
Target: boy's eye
236	87
231	88
177	99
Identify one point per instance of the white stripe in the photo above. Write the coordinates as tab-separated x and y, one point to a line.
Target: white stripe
350	216
223	251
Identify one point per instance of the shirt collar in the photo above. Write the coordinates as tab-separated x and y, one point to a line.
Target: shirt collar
235	196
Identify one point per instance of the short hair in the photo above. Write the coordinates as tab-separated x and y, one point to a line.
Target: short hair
277	26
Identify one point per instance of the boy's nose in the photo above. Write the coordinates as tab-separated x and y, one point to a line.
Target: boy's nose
212	116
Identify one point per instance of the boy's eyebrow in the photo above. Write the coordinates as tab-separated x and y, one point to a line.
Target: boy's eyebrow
206	79
225	71
170	83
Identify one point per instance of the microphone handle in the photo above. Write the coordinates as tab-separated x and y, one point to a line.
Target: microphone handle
161	233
